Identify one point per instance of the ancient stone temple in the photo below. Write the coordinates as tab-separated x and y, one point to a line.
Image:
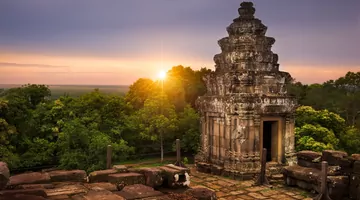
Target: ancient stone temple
246	107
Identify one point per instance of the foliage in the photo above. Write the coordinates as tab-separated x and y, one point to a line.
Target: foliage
189	129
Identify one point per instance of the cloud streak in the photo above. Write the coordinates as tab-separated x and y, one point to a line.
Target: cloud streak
10	64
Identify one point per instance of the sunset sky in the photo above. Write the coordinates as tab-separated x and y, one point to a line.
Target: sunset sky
115	42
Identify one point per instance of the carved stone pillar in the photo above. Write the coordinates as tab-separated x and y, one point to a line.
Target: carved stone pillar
290	140
257	147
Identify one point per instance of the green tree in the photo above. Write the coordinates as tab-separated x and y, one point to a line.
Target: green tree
156	120
317	130
189	129
141	90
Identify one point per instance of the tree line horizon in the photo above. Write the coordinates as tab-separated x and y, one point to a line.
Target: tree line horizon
73	132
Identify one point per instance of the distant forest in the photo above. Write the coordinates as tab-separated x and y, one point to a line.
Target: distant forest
71	128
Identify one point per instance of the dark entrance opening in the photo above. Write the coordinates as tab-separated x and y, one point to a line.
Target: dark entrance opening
267	138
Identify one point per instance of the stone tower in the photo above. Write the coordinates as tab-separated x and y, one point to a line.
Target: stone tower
246	107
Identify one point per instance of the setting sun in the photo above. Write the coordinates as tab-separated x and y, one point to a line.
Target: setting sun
162	75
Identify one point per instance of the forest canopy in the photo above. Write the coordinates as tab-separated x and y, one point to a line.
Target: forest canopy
73	132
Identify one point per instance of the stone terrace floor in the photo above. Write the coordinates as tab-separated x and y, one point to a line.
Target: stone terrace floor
227	188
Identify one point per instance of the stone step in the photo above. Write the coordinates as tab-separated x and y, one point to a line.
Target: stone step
124	179
101	175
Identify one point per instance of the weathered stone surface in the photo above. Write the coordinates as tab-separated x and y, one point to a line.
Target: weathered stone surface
101	175
202	193
59	197
63	175
66	190
22	197
98	195
356	167
308	155
354	186
308	175
4	175
124	179
29	178
338	158
138	191
355	157
101	186
36	186
34	192
120	168
246	86
153	176
338	186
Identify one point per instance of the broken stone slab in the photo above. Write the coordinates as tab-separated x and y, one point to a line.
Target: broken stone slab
338	158
66	190
29	178
201	193
101	175
308	155
101	186
4	175
120	168
138	191
34	192
309	175
64	175
153	176
97	195
123	179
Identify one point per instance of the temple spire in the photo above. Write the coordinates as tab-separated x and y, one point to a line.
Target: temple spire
246	10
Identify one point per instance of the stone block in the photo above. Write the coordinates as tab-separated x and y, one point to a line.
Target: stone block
354	186
338	186
308	155
217	170
22	197
124	179
356	167
355	157
336	158
101	186
201	193
70	190
29	178
63	175
309	175
34	192
153	176
101	175
175	177
4	175
97	195
36	186
138	191
120	168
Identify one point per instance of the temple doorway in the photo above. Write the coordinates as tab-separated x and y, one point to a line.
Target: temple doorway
270	139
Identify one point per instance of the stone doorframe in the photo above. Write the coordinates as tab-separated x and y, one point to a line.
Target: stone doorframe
279	137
